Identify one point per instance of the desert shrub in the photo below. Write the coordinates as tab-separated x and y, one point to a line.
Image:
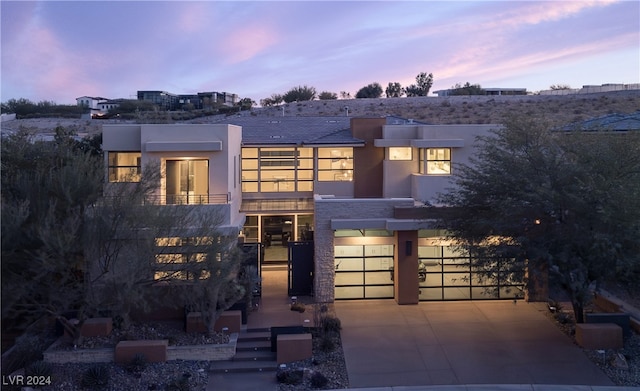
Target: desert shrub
326	343
180	383
95	377
330	324
137	363
39	368
27	349
289	376
318	380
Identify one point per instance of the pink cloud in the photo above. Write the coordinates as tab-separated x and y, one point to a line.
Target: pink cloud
247	43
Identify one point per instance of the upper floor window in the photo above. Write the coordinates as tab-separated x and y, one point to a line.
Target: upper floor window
124	166
400	153
335	164
277	169
435	161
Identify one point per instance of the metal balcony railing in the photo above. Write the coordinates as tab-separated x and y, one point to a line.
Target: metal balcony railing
175	199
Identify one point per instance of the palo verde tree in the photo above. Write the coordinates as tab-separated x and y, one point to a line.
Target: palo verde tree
46	190
423	84
326	95
373	90
299	94
562	204
394	90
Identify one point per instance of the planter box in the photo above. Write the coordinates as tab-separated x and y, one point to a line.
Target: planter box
599	336
154	350
232	320
619	318
294	347
96	327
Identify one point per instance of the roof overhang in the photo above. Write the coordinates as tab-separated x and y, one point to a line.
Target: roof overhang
183	146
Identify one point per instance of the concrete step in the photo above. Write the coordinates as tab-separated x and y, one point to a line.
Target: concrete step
254	336
243	366
253	346
255	355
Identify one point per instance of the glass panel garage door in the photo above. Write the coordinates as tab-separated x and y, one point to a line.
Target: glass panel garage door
364	271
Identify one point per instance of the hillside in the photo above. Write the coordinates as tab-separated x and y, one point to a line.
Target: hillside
434	110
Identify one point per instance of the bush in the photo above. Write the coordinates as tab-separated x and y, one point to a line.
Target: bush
330	324
95	377
180	383
318	380
137	363
290	376
39	368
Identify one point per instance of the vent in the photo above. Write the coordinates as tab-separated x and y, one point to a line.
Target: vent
276	136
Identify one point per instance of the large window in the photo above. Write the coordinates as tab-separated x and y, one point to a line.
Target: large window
277	169
400	153
335	164
187	181
124	166
435	161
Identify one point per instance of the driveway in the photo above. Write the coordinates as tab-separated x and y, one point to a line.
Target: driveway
437	343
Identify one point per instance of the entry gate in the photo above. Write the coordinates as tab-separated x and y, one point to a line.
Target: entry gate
300	268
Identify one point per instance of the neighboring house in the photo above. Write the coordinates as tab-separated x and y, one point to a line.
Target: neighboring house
106	106
610	122
355	186
93	103
591	89
163	99
487	91
168	101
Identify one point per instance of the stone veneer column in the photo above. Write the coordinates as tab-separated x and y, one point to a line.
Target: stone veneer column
324	273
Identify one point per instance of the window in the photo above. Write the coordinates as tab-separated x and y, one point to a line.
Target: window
277	169
124	166
335	164
435	161
400	153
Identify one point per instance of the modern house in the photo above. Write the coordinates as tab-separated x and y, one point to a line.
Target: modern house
168	101
91	102
487	91
352	188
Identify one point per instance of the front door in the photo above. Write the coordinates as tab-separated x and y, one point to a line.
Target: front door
187	181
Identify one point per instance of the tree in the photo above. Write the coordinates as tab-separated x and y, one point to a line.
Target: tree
566	204
299	94
466	89
345	95
274	100
46	189
373	90
245	104
394	90
559	87
144	255
326	95
422	86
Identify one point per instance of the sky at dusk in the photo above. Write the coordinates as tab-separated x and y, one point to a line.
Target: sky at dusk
58	51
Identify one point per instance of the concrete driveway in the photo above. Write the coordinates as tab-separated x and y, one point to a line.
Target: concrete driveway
454	343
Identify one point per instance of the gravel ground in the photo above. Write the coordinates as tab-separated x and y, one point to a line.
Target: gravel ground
608	361
327	363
